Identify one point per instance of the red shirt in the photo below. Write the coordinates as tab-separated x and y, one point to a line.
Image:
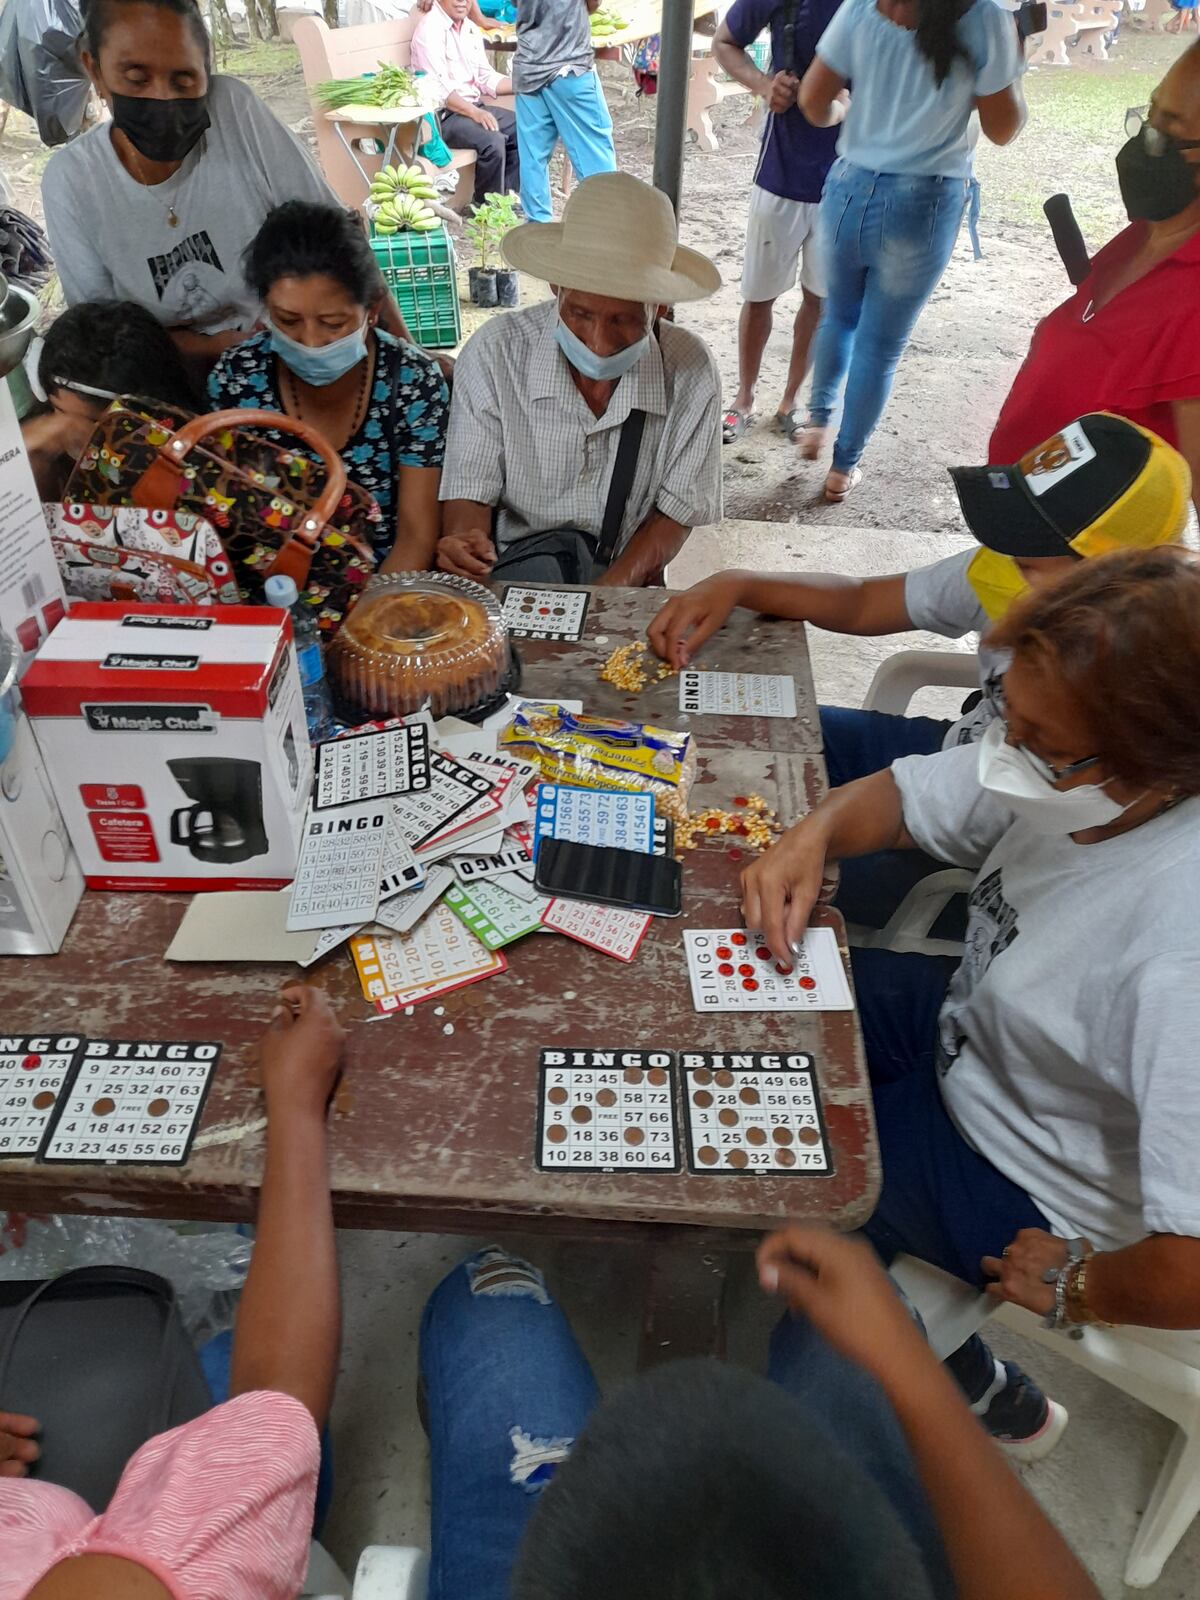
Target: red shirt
1135	356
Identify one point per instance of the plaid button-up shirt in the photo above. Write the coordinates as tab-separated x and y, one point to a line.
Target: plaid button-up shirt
521	437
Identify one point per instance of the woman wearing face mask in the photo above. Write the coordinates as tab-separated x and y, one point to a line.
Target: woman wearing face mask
158	205
1045	1091
1128	339
323	359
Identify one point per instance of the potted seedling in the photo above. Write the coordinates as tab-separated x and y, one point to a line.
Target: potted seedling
481	279
504	219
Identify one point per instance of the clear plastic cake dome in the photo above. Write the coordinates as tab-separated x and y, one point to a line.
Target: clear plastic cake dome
419	639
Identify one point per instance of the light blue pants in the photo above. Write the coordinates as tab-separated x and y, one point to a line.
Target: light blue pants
575	111
888	239
508	1391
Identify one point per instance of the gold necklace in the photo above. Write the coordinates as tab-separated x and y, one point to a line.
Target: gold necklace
360	405
172	214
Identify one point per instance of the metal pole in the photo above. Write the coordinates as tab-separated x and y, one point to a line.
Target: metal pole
674	73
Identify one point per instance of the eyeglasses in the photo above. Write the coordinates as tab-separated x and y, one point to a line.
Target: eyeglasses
1155	141
1044	769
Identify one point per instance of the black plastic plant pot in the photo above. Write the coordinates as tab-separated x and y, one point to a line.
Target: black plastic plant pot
508	287
485	288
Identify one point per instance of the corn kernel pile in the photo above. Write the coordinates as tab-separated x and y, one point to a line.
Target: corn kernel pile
756	824
626	668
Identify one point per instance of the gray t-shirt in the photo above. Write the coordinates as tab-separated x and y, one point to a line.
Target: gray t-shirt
940	599
112	237
1068	1036
554	39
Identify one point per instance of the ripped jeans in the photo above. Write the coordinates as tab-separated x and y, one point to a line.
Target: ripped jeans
508	1390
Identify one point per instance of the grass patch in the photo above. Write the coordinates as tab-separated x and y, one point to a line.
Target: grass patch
256	61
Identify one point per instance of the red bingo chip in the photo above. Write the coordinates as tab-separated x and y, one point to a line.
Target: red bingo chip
723	952
726	969
750	983
543	611
808	983
737	938
746	970
781	969
763	953
31	1063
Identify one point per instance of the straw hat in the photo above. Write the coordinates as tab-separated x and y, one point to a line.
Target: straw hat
618	238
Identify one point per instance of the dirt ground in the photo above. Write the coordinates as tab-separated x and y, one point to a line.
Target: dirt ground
967	344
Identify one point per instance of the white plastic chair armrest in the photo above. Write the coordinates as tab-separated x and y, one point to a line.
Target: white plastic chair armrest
909	926
391	1572
950	1309
898	678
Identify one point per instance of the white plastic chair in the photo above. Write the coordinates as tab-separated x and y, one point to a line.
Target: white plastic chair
1156	1366
892	688
391	1572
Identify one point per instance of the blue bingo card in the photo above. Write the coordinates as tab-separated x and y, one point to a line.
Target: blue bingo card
594	816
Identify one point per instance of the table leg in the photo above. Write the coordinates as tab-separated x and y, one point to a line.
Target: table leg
683	1312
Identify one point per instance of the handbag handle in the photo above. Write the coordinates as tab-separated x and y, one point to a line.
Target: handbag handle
125	1277
157	488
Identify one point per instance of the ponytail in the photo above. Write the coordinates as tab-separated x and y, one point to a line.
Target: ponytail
937	34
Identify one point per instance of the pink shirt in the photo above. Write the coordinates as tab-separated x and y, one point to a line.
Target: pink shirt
219	1509
452	56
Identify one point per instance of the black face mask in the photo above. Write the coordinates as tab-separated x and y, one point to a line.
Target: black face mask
1155	188
161	130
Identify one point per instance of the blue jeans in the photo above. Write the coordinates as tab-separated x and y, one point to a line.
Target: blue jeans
856	744
887	240
941	1201
573	110
508	1390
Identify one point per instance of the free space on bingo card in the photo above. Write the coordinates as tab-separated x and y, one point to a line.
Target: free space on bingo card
754	1114
133	1102
607	1111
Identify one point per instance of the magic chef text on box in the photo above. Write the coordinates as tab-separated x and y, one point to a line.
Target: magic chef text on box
176	744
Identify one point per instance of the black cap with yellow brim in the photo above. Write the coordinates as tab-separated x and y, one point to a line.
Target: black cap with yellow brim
1102	483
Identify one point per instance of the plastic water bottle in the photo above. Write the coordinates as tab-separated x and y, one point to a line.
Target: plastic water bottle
281	591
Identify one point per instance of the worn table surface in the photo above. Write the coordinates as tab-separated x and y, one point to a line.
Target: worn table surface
434	1127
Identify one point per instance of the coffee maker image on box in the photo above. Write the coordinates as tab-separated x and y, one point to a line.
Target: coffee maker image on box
225	821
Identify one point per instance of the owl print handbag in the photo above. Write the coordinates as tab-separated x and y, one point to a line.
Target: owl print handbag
276	509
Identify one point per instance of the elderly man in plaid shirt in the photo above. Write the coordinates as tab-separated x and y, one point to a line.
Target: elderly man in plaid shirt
585	432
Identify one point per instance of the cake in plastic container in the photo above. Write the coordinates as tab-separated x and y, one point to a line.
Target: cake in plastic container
419	639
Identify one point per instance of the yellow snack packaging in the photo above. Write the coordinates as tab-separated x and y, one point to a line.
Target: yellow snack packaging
604	753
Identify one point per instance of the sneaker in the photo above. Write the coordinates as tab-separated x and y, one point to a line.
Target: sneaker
1022	1420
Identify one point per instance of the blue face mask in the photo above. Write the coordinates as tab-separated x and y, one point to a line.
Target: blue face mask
325	364
601	368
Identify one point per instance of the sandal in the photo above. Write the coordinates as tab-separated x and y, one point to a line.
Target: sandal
735	423
834	497
810	440
789	423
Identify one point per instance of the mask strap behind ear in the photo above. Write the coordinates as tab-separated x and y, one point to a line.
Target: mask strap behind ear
84	388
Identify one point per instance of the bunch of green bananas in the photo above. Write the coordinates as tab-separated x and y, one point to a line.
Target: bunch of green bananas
606	22
399	195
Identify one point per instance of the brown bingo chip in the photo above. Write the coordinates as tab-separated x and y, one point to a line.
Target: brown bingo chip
749	1097
786	1158
738	1159
158	1108
808	1136
633	1074
556	1134
723	1079
702	1077
728	1118
558	1096
782	1136
706	1155
657	1076
104	1107
581	1114
702	1098
43	1101
606	1097
634	1136
756	1136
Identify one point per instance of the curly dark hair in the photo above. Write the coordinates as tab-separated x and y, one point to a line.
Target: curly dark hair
1122	633
115	345
304	239
97	14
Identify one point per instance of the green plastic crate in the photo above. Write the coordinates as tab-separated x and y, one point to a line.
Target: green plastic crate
419	270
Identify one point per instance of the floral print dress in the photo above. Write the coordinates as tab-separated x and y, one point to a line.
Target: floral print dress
405	423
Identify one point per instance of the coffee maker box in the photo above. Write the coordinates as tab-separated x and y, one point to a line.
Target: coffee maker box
32	598
176	743
40	879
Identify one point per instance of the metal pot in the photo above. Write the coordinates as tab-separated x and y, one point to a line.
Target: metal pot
19	312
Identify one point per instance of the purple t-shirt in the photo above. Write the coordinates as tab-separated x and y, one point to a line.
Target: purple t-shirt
796	157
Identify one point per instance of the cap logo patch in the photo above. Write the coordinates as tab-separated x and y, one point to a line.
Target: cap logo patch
998	480
1057	459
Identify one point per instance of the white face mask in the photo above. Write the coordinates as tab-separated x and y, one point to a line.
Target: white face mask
1006	771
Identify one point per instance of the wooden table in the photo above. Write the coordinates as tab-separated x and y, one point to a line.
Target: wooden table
434	1126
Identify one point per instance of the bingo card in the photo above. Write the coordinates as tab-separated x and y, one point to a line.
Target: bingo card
33	1070
340	867
607	1111
454	791
733	970
754	1113
371	766
545	613
737	694
133	1102
593	816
